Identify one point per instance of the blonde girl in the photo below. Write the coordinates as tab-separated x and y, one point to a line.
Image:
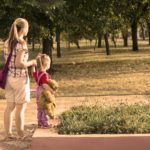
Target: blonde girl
41	77
17	85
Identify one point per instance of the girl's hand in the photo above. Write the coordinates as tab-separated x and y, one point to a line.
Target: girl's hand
34	62
52	91
38	56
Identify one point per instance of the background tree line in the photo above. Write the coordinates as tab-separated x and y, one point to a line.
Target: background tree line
88	19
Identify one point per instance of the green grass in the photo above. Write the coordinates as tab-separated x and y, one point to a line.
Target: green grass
122	119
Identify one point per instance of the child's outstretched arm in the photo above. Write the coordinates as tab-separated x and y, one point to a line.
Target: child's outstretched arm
33	66
33	69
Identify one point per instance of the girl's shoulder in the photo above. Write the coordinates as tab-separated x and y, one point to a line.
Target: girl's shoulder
45	75
41	73
22	45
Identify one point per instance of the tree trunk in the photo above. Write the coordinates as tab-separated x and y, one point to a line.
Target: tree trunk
90	42
39	44
47	47
29	40
143	32
33	43
107	43
113	40
95	44
125	39
99	40
68	45
51	48
77	43
148	27
134	36
58	42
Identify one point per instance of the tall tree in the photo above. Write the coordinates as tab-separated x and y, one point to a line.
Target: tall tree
132	11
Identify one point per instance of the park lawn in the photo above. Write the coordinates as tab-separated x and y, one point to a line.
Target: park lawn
82	72
103	78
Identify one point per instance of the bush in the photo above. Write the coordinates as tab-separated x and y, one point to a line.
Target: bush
98	120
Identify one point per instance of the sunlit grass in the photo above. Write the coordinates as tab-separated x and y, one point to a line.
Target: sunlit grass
84	71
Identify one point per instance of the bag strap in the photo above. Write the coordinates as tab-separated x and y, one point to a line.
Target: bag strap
39	77
10	55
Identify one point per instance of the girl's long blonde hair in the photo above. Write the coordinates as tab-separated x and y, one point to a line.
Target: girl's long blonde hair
42	60
17	25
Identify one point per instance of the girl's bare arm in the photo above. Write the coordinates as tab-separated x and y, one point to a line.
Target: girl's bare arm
20	63
33	69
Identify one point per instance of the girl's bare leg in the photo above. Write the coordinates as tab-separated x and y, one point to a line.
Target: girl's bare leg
8	117
20	109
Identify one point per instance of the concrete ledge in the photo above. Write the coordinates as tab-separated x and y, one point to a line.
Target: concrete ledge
46	139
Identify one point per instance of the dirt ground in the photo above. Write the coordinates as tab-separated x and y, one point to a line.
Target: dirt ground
63	103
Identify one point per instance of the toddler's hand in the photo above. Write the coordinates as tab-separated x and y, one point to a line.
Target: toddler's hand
38	56
52	91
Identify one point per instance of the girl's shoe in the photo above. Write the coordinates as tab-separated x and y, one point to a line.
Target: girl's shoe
20	138
9	137
21	135
45	126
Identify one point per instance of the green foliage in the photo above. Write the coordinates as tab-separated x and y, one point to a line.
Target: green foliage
38	13
98	120
79	19
131	10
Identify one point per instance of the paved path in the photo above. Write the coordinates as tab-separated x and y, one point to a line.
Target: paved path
63	103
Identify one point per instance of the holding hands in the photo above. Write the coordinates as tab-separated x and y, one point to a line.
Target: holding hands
34	61
39	55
